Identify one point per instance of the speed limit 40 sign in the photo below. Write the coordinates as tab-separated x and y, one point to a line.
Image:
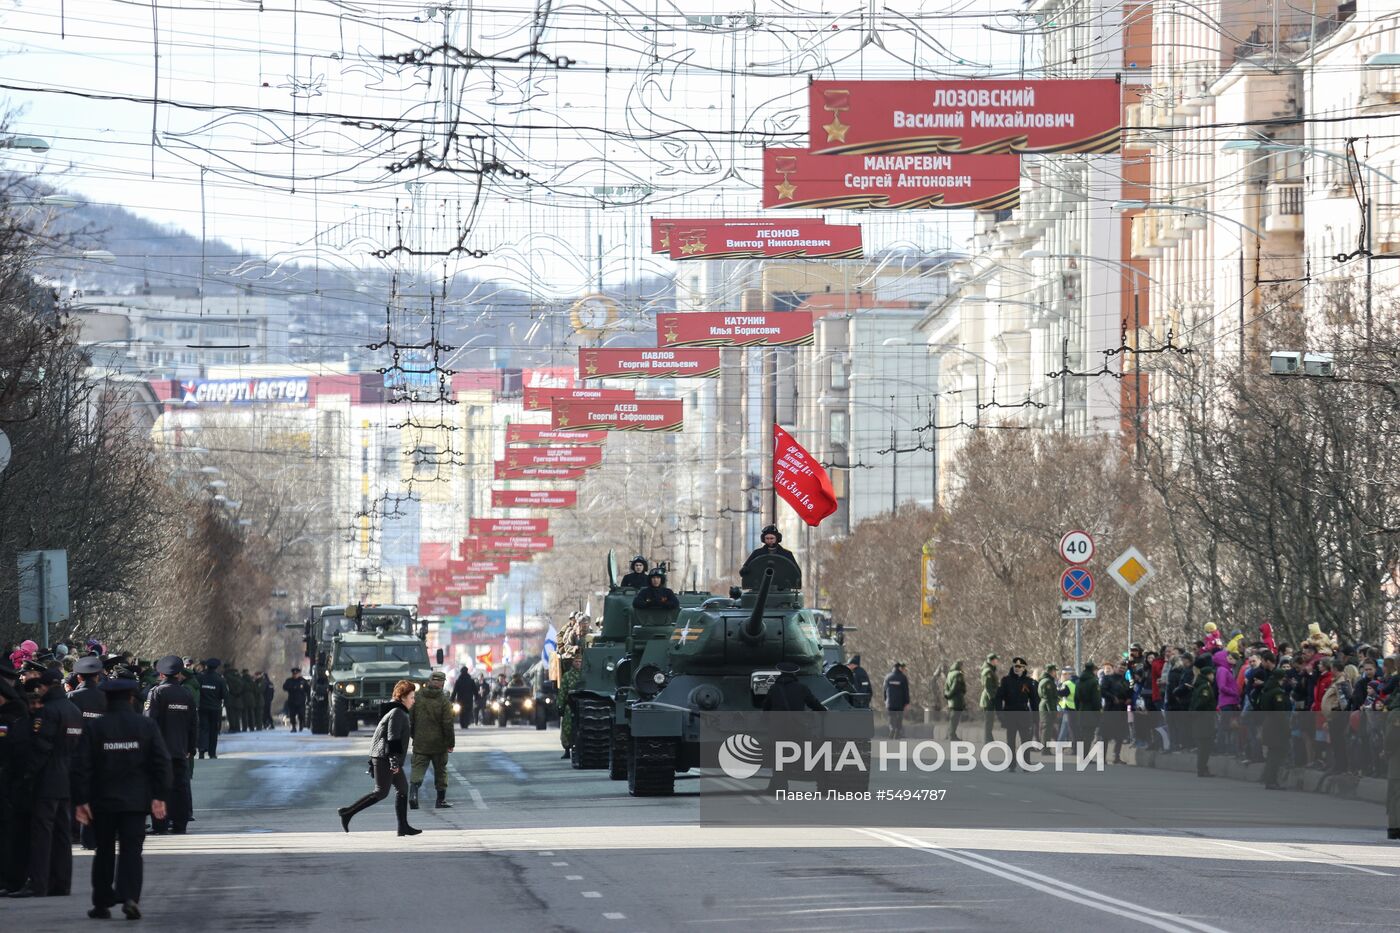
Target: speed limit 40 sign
1077	547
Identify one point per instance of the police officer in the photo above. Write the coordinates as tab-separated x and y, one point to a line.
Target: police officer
122	772
57	729
637	575
170	706
213	691
297	688
87	697
657	595
14	740
233	698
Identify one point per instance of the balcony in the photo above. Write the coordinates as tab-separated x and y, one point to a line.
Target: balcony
1145	243
1283	206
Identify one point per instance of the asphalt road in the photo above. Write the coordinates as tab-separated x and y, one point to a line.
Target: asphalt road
531	845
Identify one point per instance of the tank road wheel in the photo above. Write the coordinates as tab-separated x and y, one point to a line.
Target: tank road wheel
651	767
320	717
593	734
617	764
340	720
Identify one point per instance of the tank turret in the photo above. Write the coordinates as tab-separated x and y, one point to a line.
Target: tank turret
752	632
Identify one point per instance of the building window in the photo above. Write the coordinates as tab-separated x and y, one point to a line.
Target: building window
838	373
839	427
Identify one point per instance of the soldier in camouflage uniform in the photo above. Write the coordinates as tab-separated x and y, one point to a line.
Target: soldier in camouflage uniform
567	683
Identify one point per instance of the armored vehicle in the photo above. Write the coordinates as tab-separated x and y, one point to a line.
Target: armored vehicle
546	694
722	656
357	653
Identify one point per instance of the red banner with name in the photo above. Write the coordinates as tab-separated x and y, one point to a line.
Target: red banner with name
734	329
503	470
646	363
509	526
642	415
661	228
800	479
513	544
438	604
479	566
858	117
798	238
534	498
539	399
458	584
585	458
798	178
545	435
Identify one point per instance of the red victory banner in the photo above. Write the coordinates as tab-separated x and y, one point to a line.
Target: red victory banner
504	470
800	479
439	604
534	498
798	238
544	434
860	117
509	526
481	566
797	178
661	228
646	363
539	399
734	329
585	458
517	544
642	415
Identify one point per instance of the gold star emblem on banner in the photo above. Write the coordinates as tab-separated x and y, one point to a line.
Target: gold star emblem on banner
514	463
563	418
836	130
591	367
672	335
692	248
785	190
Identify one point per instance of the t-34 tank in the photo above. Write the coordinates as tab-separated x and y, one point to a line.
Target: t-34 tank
721	656
593	699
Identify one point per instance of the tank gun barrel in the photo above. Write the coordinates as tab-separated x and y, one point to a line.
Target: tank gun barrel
753	627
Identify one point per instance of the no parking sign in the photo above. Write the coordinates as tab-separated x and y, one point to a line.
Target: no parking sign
1077	583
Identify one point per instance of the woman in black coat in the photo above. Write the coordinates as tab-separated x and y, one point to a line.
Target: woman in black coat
387	753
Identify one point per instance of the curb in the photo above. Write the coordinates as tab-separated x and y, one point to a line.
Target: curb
1371	790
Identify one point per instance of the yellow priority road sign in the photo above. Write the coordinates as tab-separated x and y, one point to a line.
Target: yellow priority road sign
1131	570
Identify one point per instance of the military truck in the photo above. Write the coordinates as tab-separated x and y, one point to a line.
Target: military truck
357	653
718	657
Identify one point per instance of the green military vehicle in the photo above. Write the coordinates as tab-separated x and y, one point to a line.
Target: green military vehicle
722	656
357	653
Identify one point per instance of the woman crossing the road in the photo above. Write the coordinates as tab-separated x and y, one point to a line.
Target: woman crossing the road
387	753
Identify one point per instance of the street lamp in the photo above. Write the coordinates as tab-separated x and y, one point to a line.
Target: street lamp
32	143
48	200
1185	208
90	255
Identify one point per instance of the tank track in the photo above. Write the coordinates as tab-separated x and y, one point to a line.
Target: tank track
592	735
651	767
617	765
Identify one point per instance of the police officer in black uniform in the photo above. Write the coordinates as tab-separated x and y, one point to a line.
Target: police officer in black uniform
56	730
14	747
92	703
122	772
170	706
212	693
298	689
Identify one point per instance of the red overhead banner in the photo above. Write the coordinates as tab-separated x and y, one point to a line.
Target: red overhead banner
798	238
734	329
508	544
539	399
534	498
479	566
800	479
859	117
504	470
661	228
642	415
798	178
438	604
582	457
509	526
646	363
544	434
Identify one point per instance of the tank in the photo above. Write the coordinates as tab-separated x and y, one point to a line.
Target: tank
719	656
356	654
599	700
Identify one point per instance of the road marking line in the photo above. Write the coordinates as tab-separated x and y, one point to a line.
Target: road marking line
476	799
614	916
1055	887
559	864
573	877
546	853
591	893
1289	858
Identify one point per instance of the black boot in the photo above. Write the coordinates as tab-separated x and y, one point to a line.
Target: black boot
401	810
347	812
413	795
442	803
